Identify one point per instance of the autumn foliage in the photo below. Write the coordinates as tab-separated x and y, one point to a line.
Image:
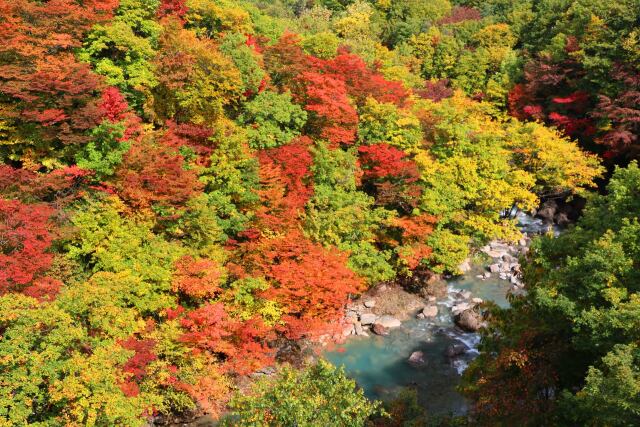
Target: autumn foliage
25	239
310	283
187	188
153	174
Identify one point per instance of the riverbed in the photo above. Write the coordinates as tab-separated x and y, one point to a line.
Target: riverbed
379	364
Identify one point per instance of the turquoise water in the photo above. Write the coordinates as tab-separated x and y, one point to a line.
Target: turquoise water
379	363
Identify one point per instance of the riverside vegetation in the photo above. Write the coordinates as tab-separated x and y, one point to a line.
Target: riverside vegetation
190	187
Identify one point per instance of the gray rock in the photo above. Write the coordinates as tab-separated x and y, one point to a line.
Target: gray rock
351	317
465	266
417	359
370	303
494	268
486	275
358	329
348	330
499	246
430	311
507	258
495	253
431	299
562	219
367	318
547	211
455	350
420	315
464	295
459	308
378	329
522	242
388	321
468	320
476	300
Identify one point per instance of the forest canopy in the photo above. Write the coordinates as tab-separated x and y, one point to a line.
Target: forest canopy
186	185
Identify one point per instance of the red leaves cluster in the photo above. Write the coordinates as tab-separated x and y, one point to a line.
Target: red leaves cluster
24	241
390	175
381	161
435	90
153	174
285	60
59	186
136	367
623	114
137	364
329	89
310	283
552	92
286	186
40	73
114	108
361	81
196	137
461	14
172	7
334	118
294	162
241	345
197	278
414	231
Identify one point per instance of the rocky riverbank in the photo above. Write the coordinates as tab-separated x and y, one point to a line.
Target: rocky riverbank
387	306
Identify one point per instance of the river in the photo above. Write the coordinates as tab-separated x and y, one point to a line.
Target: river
379	363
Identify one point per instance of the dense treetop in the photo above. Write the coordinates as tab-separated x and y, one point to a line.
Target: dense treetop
187	184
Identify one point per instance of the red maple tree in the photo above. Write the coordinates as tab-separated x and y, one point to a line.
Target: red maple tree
25	238
310	283
152	173
39	74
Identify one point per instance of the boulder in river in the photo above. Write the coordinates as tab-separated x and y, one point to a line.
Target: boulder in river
378	329
494	268
460	307
351	317
430	311
348	330
508	258
468	320
456	350
547	211
388	321
562	219
417	359
464	295
367	318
